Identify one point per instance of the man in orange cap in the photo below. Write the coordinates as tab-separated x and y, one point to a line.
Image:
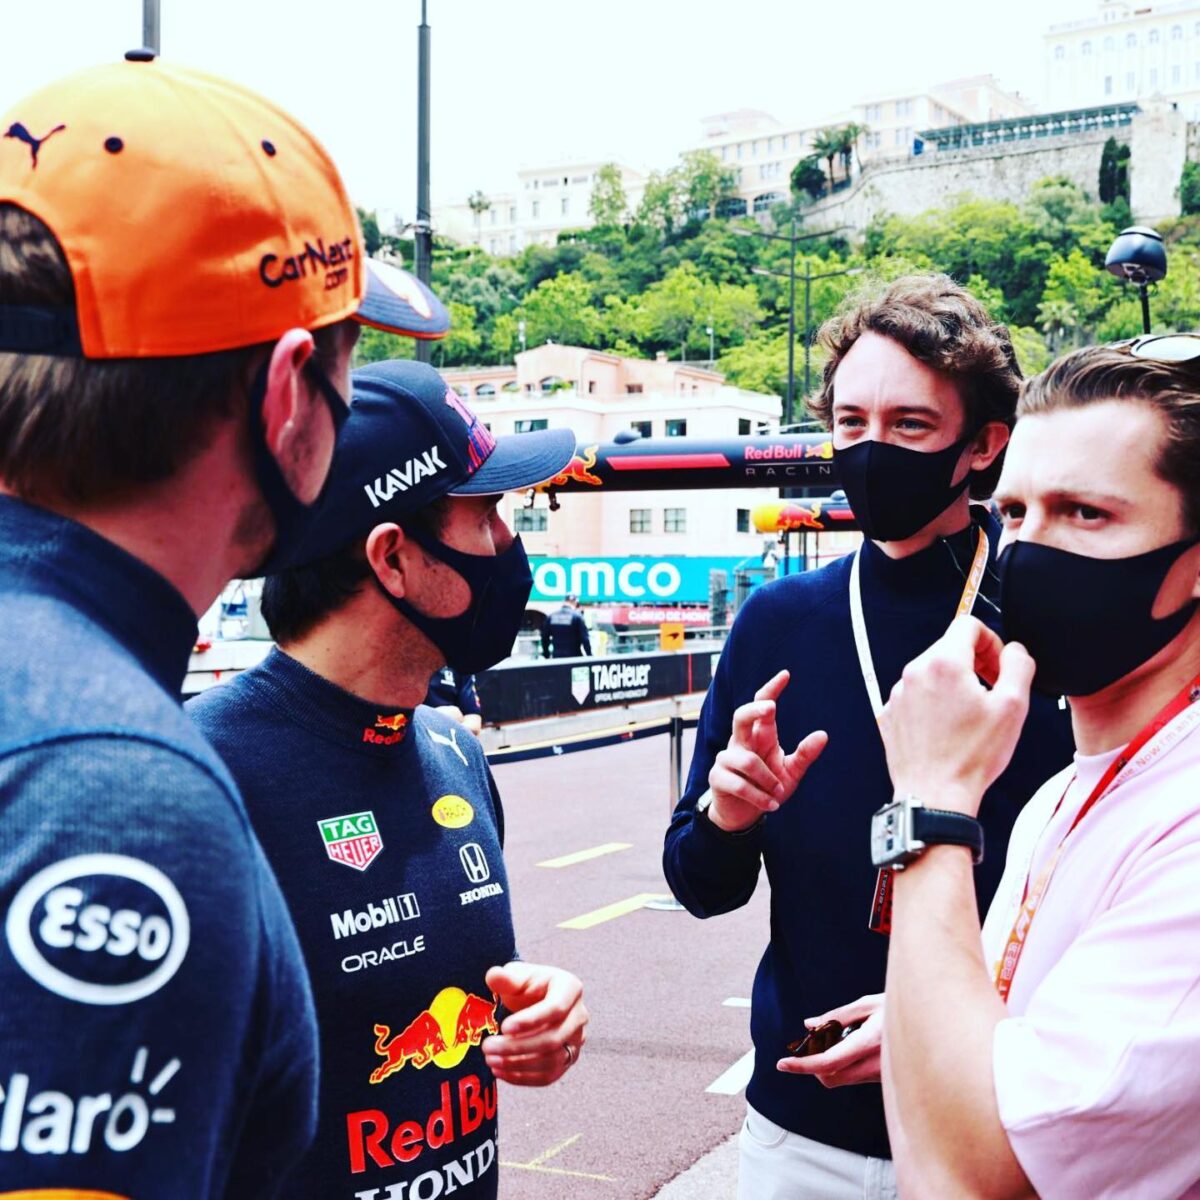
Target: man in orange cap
180	275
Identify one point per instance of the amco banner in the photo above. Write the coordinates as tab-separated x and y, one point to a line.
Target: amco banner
638	580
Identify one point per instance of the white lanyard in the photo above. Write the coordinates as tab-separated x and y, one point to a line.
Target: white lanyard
858	622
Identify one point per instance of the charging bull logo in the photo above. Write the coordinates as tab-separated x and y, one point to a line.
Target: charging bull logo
824	450
794	516
441	1034
578	469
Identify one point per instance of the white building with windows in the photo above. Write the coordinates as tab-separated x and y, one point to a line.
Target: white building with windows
762	152
599	395
1126	52
546	201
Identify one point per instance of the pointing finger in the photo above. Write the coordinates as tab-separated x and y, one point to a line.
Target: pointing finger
773	688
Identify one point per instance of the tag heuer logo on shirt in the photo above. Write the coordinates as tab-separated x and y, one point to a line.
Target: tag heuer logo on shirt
352	840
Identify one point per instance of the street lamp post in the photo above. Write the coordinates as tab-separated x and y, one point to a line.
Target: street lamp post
423	228
151	26
711	354
792	239
809	279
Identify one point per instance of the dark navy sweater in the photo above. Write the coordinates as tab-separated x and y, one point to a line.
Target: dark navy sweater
816	847
385	830
157	1037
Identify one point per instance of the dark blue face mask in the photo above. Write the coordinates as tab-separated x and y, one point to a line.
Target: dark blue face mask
1085	621
289	514
500	586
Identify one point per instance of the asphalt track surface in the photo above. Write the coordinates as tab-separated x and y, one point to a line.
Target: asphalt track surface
635	1111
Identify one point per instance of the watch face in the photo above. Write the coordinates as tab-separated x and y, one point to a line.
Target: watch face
888	841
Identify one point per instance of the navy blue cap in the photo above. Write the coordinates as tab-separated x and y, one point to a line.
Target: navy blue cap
411	439
398	302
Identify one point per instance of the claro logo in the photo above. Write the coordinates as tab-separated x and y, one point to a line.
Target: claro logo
99	928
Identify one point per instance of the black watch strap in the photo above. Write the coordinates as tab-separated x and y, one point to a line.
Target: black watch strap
937	826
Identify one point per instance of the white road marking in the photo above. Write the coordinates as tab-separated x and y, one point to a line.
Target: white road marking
735	1079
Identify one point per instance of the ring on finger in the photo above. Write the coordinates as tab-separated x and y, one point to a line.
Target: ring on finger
570	1052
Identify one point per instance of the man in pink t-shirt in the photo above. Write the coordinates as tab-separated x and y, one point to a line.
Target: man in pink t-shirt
1063	1060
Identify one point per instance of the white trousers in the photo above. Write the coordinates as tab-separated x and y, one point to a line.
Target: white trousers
775	1164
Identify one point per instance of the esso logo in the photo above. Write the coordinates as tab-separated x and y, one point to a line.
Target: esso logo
99	928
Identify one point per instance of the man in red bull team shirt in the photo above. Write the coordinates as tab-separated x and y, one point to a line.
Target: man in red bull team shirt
380	815
180	270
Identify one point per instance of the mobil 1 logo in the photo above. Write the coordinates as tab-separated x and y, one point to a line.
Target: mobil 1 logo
99	928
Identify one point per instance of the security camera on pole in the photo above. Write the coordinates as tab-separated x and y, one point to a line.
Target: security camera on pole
1138	256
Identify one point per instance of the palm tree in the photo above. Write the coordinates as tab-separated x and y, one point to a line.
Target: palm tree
849	148
827	144
478	203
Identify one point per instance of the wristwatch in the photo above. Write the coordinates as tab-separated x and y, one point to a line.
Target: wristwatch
902	830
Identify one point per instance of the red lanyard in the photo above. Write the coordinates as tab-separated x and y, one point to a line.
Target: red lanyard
1146	748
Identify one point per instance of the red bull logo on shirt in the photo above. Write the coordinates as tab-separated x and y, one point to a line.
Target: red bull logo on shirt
442	1034
352	840
395	727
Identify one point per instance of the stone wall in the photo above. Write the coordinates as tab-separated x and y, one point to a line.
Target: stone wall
1158	139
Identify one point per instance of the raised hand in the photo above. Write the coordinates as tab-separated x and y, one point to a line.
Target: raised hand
947	735
753	775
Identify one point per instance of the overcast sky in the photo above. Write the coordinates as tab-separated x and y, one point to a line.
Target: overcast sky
529	82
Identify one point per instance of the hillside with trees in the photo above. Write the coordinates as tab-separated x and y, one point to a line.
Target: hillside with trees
656	278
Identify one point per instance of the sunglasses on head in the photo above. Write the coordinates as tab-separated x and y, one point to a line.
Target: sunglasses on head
1163	347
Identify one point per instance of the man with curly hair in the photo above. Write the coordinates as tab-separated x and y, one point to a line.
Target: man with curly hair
919	392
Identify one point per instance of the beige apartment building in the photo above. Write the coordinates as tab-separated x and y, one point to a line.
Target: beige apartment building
546	201
762	152
894	122
1125	52
624	547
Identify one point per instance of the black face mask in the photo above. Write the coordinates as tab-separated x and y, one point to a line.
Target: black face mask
894	492
1086	621
289	514
500	586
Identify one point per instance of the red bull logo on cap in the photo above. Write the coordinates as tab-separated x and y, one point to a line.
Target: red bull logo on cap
441	1034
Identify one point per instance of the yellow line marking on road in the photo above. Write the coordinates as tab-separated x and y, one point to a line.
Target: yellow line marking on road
538	1159
569	860
610	911
537	1163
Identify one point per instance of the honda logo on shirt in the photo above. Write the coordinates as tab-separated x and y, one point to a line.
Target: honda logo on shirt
474	862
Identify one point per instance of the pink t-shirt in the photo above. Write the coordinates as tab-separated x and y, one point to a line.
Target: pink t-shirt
1097	1071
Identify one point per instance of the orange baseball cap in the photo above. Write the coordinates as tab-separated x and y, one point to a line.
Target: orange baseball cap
195	216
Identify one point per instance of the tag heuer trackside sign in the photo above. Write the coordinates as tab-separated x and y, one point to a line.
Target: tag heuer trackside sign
351	840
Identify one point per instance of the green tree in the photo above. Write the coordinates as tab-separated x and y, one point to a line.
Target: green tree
703	181
1189	189
850	134
680	306
461	345
827	144
376	346
1114	171
1033	356
808	177
369	223
478	203
659	209
609	203
759	364
560	310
